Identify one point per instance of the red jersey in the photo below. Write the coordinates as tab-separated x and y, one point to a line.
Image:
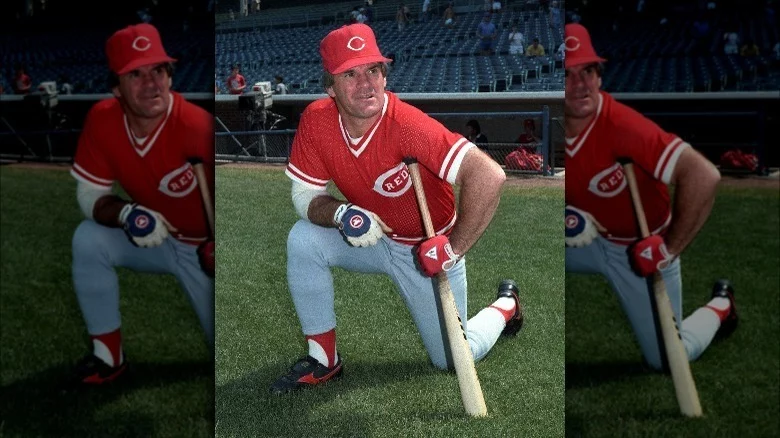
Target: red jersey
371	173
595	181
235	82
156	172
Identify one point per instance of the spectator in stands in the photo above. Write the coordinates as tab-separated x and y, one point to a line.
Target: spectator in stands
701	34
516	41
361	17
257	6
556	17
449	16
776	50
22	81
535	49
560	54
425	15
528	139
496	7
402	17
750	49
731	45
353	15
369	12
487	33
236	84
280	88
66	87
474	133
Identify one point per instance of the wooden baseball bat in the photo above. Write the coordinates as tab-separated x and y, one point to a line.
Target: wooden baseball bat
470	389
684	386
203	184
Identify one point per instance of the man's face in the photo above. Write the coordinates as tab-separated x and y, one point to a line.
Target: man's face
582	90
359	92
145	91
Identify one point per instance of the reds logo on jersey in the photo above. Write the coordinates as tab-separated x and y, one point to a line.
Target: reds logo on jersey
179	183
393	183
609	182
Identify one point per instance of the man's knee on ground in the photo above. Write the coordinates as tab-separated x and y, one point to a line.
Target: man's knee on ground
88	238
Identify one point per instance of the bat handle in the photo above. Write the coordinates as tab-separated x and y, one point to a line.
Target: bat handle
628	168
414	173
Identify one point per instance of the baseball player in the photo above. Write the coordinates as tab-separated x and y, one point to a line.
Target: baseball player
142	139
602	234
358	137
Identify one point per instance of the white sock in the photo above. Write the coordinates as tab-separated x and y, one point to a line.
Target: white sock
505	303
719	303
484	329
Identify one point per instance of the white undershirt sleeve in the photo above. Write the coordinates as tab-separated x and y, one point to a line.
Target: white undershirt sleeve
87	194
302	197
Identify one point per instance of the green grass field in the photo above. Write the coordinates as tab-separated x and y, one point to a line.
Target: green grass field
389	388
608	390
169	389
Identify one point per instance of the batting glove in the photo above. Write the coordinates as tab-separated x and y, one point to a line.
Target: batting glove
649	255
581	227
144	227
359	226
206	257
436	255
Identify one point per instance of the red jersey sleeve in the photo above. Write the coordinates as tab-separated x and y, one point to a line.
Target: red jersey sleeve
646	144
435	147
90	163
306	165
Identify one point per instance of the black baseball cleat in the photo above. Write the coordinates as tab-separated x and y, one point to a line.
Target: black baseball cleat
723	289
306	372
91	370
508	288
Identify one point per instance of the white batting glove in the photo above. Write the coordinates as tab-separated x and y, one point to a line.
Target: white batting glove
144	227
359	226
581	227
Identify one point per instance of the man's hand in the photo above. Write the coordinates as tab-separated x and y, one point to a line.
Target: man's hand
206	257
581	227
359	226
649	255
435	255
144	227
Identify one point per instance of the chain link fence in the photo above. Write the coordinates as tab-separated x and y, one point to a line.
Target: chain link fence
274	146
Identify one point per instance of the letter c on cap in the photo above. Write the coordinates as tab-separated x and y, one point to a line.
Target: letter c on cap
569	48
357	49
142	43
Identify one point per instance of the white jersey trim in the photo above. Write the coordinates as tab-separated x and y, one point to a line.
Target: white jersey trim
150	143
81	174
668	160
365	139
298	175
451	164
578	145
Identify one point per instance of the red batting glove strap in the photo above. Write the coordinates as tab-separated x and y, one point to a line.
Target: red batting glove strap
435	255
649	255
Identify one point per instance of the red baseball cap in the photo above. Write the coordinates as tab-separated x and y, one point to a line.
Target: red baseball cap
135	46
349	46
579	49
